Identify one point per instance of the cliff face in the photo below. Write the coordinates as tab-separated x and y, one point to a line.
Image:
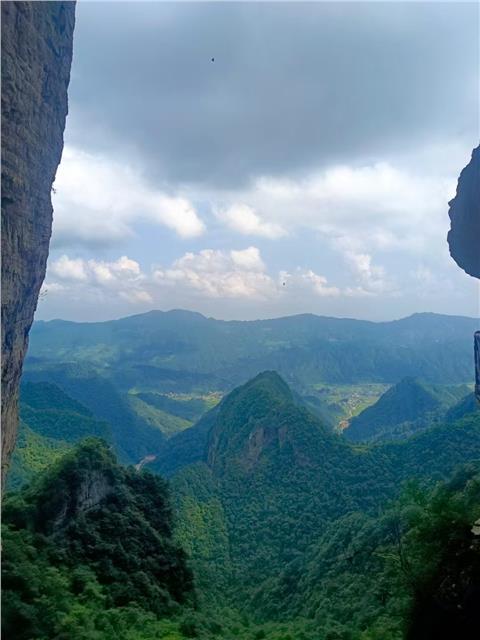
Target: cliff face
37	42
476	339
464	234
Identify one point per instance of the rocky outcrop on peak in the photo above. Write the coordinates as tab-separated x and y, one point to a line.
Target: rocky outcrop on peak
90	492
464	234
36	58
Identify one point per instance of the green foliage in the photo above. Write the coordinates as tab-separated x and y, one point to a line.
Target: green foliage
167	423
52	413
188	408
408	407
289	520
89	543
293	533
51	422
185	352
132	436
32	454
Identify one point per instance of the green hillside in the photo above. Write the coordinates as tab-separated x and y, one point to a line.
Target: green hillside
88	553
50	423
132	434
407	407
467	406
273	481
291	531
154	375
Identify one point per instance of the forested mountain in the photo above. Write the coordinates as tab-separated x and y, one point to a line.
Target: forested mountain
292	531
467	406
133	436
88	553
406	408
182	351
154	375
274	488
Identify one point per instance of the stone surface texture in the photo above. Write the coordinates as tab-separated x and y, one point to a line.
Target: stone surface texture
37	40
464	234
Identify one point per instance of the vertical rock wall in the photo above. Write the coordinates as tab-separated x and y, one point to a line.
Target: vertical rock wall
464	234
36	58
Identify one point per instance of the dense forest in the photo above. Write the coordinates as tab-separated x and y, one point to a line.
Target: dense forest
88	551
273	525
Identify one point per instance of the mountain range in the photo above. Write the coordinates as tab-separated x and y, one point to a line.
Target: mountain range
184	351
153	375
287	525
316	505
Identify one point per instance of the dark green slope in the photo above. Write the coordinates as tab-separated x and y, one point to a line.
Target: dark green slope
467	406
50	423
185	351
132	436
185	448
279	476
407	407
411	571
88	553
52	413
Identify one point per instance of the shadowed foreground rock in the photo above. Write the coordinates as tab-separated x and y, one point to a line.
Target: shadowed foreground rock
464	234
36	58
476	339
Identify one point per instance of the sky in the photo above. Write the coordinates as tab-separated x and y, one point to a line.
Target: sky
264	159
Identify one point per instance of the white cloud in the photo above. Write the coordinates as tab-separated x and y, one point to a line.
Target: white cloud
90	278
69	269
211	273
243	219
306	280
238	274
378	205
248	259
98	200
372	278
220	274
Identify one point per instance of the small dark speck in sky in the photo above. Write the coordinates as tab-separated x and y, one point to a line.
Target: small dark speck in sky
213	60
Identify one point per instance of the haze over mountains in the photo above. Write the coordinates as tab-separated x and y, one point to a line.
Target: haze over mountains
153	348
206	351
287	444
152	375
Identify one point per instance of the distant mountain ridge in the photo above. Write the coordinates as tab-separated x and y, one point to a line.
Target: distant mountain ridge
182	351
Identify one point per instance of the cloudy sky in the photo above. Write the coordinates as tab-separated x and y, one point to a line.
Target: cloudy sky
256	160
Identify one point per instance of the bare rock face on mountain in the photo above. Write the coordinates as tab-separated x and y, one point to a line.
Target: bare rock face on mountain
464	234
37	42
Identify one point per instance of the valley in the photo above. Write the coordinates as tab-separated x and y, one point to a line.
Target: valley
291	526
